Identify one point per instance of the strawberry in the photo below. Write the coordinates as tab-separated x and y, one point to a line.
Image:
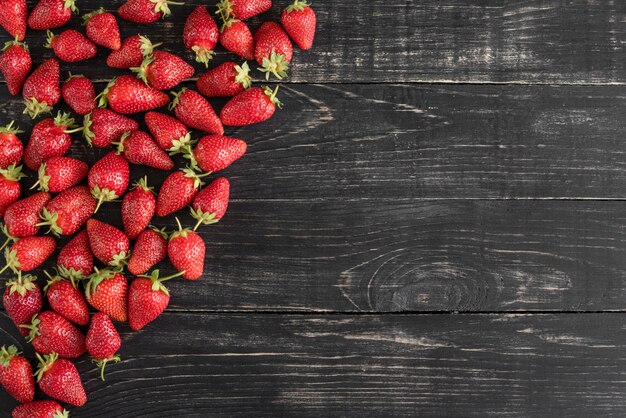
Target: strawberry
147	299
21	217
209	206
16	375
66	300
75	260
168	132
14	17
40	409
186	252
28	253
226	80
250	106
11	147
10	188
215	152
242	9
201	34
150	248
60	173
59	379
103	341
51	333
49	138
22	299
15	65
50	14
132	52
163	71
127	95
196	112
42	88
108	244
102	29
177	191
273	50
145	11
103	126
108	178
79	93
139	148
138	208
107	291
69	210
236	37
299	21
71	46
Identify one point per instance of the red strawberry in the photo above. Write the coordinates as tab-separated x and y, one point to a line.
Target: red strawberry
108	244
49	138
59	379
216	152
273	50
201	34
16	375
42	88
299	21
168	132
22	299
103	341
147	299
71	46
9	186
69	210
66	300
163	71
242	9
132	52
15	65
186	252
51	333
40	409
61	173
21	217
209	206
102	29
75	260
177	191
138	208
107	291
225	80
139	148
150	248
50	14
196	112
127	95
79	93
103	126
108	178
236	37
13	18
28	253
145	11
11	148
250	106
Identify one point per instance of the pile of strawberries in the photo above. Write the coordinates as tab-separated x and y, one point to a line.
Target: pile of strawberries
65	203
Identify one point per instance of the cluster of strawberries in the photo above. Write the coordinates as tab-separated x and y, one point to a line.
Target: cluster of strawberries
55	332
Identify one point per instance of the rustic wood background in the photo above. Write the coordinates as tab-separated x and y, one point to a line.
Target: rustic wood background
435	225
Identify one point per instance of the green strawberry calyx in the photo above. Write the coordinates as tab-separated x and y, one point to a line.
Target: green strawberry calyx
87	132
227	23
119	259
57	278
69	4
120	144
102	362
203	55
64	413
242	75
272	96
181	233
10	130
162	6
203	218
157	282
35	108
275	64
176	99
10	237
65	121
12	261
161	231
43	179
45	362
298	5
14	42
147	46
50	219
225	10
103	195
142	70
6	354
12	173
88	16
22	284
142	184
33	327
179	145
50	37
103	96
72	274
96	278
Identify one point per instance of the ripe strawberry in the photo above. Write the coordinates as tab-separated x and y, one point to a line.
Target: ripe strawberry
209	206
59	379
40	409
11	148
216	152
61	173
69	210
139	148
28	253
66	300
51	333
147	299
108	244
108	178
196	112
145	11
150	248
15	65
168	132
242	9
107	291
9	186
13	18
79	93
201	34
250	106
186	252
71	46
299	21
226	80
103	341
22	299
103	126
127	95
75	260
41	89
16	375
236	37
273	50
138	208
132	52
21	217
163	71
177	191
49	138
102	29
50	14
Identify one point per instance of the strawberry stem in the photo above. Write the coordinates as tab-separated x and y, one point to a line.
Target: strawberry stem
101	363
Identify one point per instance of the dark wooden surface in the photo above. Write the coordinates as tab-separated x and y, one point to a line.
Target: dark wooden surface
434	225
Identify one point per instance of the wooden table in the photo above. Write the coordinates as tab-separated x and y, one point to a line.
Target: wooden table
434	225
